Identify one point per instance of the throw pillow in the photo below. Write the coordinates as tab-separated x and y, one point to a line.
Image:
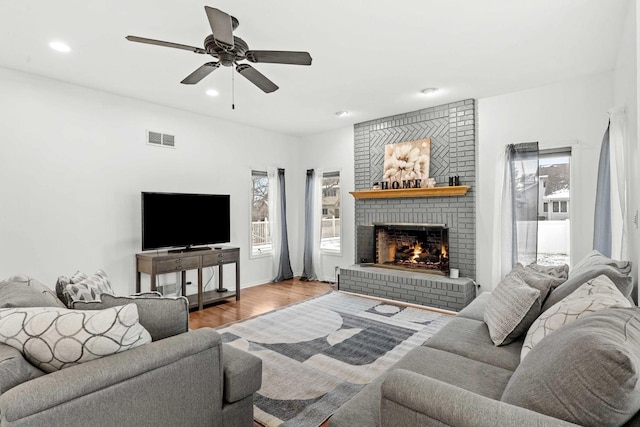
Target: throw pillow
25	291
54	338
162	316
595	258
88	288
510	312
585	372
557	271
508	305
623	282
595	295
542	281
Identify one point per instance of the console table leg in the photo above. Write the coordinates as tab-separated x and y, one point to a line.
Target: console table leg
199	288
238	280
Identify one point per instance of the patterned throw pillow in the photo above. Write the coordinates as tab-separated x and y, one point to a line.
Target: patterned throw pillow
595	295
56	338
88	288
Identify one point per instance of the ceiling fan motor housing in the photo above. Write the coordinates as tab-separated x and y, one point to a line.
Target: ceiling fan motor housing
226	58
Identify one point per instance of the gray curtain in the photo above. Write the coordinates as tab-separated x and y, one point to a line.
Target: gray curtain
308	272
284	266
522	161
602	217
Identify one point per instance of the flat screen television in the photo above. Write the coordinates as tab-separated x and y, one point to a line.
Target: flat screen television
171	220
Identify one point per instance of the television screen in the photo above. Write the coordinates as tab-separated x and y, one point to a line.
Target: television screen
178	219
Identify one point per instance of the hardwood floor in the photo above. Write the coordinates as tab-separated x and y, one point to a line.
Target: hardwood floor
256	300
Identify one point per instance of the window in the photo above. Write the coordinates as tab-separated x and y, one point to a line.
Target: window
260	227
331	227
563	206
554	170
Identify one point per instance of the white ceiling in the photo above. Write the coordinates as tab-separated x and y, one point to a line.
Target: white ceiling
370	57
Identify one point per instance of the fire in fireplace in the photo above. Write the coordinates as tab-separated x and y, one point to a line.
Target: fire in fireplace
422	247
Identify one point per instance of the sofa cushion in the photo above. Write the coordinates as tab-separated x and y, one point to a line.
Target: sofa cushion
585	372
162	317
593	296
487	380
470	338
54	338
595	259
82	287
24	291
14	369
623	282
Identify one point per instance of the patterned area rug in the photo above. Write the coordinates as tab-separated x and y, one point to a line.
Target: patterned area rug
319	353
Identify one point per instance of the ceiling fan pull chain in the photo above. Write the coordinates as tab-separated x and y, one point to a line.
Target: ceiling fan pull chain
233	88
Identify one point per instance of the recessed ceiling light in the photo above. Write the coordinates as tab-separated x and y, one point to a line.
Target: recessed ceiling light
212	92
342	113
430	91
60	46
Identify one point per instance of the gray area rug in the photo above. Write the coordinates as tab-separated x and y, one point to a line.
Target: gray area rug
319	353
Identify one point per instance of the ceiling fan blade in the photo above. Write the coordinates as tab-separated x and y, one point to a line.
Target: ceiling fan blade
200	73
279	57
257	78
221	26
166	44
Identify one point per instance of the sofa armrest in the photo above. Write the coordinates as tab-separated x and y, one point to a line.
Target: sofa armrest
409	398
163	317
176	381
242	373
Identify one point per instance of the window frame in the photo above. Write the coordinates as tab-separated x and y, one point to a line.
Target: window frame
573	153
254	172
333	174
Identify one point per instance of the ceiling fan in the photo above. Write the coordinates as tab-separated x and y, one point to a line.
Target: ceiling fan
229	50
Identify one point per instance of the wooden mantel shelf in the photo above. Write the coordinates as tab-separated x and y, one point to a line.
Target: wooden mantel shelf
446	191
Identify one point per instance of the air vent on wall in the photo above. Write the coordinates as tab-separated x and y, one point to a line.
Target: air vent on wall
161	139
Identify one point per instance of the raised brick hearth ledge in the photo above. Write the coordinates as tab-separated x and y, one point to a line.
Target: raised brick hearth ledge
408	286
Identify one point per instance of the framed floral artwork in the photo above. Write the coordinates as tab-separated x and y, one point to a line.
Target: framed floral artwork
407	161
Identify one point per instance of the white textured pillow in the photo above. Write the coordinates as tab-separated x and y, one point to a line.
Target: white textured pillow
54	338
88	288
595	295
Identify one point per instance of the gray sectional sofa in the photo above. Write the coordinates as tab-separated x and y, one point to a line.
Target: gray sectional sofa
585	372
181	378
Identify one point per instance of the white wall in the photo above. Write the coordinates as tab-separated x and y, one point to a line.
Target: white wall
74	162
332	151
571	113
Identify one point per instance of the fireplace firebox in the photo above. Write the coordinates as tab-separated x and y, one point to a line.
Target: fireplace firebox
416	247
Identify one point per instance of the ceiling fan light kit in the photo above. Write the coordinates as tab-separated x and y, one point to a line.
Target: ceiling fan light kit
229	50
